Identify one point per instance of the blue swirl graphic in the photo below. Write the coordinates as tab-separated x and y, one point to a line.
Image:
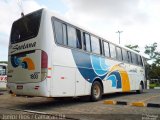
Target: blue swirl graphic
15	61
113	79
116	79
97	64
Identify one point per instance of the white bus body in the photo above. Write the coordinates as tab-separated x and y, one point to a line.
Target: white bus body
3	75
41	64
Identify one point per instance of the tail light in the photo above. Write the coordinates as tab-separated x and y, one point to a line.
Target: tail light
44	60
44	65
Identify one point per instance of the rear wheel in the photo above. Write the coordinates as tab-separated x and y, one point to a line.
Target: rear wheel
96	91
140	89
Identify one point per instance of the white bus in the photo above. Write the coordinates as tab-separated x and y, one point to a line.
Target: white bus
3	75
51	57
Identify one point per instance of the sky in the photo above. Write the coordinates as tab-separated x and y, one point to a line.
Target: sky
138	19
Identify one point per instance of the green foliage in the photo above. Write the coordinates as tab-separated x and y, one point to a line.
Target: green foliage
150	50
151	86
153	70
4	62
134	47
153	53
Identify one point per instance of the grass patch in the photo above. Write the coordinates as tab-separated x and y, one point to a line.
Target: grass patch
152	85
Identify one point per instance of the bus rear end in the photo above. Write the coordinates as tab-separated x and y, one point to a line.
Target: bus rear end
27	62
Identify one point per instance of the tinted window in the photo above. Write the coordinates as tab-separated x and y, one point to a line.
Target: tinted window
129	57
112	51
58	32
134	58
71	36
79	43
87	42
95	45
64	34
26	28
119	53
140	60
106	49
125	55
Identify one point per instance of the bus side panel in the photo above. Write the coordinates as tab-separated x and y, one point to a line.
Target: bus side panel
63	82
80	84
92	67
135	76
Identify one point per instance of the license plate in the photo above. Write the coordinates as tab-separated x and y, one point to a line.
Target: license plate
19	86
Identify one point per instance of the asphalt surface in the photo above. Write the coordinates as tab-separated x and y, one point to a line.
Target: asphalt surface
49	108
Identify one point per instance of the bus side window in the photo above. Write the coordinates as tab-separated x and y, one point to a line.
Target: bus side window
134	58
129	57
95	44
79	42
71	32
119	53
87	42
58	32
112	51
65	34
140	61
125	55
106	49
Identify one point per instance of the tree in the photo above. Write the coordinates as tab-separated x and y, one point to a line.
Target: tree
133	47
153	53
153	70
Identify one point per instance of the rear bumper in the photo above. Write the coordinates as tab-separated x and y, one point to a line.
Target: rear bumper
30	89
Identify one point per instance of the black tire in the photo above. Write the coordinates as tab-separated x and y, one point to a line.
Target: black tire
96	91
140	89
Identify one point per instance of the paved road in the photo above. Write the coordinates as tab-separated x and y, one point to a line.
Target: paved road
81	109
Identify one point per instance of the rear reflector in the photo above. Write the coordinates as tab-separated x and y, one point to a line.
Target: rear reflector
49	68
48	76
62	77
44	60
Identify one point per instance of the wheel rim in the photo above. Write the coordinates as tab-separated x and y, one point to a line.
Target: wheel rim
96	91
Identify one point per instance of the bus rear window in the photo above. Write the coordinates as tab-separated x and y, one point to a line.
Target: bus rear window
26	27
